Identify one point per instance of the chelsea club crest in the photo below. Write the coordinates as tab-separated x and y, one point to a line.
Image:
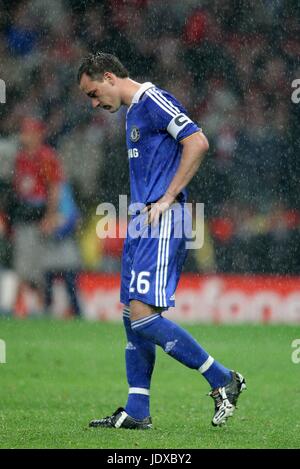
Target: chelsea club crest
134	134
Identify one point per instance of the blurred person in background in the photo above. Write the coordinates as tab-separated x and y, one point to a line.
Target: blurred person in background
43	214
61	258
37	175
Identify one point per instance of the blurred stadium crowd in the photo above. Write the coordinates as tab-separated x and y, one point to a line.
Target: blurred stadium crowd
230	62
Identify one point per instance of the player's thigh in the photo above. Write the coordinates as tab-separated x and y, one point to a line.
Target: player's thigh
139	310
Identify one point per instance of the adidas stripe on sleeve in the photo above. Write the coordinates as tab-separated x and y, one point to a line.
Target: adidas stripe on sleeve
168	114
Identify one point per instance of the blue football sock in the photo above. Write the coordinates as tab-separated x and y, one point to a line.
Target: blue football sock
140	359
182	346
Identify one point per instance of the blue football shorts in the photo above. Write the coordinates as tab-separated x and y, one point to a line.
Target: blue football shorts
153	257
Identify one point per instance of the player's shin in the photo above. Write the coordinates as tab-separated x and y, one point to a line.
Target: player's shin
140	359
182	346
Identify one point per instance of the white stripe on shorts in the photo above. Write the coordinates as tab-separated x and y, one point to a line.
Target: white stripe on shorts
163	261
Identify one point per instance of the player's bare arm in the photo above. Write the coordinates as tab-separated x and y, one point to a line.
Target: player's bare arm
194	148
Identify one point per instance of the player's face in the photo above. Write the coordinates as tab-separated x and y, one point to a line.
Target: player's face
104	94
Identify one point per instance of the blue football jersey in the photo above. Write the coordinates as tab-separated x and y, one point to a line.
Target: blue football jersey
155	124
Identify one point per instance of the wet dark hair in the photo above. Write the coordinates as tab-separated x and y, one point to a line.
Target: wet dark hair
95	65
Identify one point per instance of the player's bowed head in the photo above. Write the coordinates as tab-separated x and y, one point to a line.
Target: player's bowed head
104	79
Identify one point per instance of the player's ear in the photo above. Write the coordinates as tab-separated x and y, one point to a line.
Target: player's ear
109	77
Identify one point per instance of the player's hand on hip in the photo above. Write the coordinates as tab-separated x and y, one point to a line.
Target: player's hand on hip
157	209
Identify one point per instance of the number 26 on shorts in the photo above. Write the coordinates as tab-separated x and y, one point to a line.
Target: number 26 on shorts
142	282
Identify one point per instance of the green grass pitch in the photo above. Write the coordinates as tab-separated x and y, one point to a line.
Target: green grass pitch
60	374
